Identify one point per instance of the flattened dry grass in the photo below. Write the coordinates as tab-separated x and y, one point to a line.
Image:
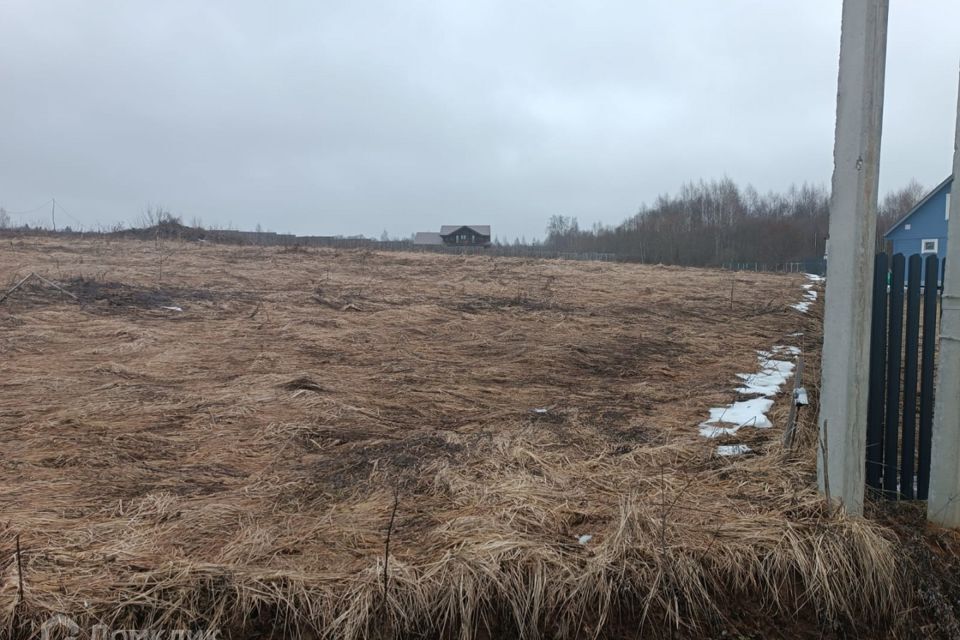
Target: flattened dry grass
234	464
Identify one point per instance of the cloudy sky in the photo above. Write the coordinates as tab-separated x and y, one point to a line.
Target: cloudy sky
354	117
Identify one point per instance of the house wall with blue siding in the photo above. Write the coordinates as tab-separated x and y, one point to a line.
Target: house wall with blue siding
927	222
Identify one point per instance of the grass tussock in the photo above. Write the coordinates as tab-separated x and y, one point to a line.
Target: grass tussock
529	428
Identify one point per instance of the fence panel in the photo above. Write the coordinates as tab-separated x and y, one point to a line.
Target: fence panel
815	266
903	340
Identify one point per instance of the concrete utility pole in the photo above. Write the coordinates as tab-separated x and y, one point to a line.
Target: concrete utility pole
853	222
943	503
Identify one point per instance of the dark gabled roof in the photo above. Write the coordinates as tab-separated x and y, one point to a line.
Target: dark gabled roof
917	206
480	229
427	238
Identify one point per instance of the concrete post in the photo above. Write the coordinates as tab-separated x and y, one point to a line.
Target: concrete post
943	503
853	221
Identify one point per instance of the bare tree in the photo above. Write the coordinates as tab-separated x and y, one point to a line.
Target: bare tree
164	226
157	216
896	204
716	222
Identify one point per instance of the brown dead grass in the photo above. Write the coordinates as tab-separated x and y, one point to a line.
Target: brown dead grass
234	465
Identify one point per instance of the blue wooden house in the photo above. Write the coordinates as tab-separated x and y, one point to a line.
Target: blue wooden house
923	229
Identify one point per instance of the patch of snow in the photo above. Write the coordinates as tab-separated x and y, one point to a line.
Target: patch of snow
800	397
804	305
708	430
809	295
772	375
733	449
814	277
541	411
789	350
743	413
585	538
172	308
763	385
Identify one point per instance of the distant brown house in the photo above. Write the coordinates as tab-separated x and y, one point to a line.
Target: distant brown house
467	235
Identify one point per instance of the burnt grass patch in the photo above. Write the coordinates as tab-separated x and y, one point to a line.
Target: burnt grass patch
401	459
521	302
113	296
116	296
625	357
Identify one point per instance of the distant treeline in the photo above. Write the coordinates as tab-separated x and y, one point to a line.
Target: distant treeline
713	223
718	222
158	224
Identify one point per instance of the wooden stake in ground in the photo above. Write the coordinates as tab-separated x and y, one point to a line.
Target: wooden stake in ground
19	572
825	456
386	549
790	432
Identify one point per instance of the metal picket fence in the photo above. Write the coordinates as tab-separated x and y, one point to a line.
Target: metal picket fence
903	340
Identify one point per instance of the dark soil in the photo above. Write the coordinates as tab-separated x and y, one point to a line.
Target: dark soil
117	297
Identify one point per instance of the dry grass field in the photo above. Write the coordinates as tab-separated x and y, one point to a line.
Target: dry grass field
243	438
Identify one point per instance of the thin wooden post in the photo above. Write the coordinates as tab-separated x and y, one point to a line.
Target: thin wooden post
790	433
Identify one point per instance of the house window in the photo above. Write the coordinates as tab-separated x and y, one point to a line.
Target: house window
906	227
929	246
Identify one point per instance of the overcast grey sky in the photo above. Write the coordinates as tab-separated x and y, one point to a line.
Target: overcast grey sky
354	117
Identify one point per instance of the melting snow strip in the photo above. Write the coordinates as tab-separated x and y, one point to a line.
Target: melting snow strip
809	294
765	384
772	375
739	414
732	449
809	297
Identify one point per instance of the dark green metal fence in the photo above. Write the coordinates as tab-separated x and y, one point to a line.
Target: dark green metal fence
903	341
